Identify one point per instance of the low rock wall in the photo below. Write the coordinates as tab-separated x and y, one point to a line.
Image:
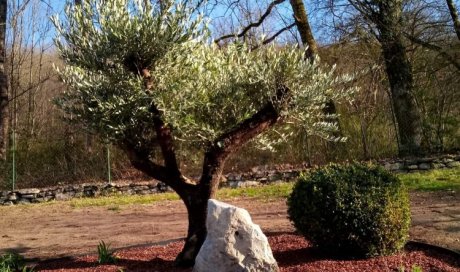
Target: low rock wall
257	176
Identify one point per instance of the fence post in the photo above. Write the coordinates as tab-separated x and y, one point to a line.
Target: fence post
109	170
13	151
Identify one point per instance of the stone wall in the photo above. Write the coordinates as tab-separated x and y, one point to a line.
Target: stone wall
257	176
407	165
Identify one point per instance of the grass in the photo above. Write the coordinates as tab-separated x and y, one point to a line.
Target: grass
114	202
105	254
267	193
434	180
13	262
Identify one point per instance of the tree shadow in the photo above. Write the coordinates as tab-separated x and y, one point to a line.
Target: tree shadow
18	250
293	257
156	264
64	263
448	256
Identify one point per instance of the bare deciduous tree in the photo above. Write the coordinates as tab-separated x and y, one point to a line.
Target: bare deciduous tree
304	28
3	82
386	16
454	14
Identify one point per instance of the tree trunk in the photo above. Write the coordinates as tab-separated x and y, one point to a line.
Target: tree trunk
363	126
196	202
400	77
304	29
312	52
196	196
454	15
3	83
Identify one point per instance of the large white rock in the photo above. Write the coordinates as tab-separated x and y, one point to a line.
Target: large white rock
234	243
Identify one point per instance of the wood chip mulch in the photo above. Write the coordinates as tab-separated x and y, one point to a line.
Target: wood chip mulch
292	252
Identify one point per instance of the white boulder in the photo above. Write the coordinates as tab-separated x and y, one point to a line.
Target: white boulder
233	243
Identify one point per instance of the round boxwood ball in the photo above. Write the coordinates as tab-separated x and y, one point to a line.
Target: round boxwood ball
352	210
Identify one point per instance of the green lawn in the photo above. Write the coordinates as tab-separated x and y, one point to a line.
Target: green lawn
435	180
265	193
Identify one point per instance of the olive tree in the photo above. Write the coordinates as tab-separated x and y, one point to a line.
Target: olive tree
148	78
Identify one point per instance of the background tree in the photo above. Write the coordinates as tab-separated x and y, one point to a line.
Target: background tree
387	17
145	77
3	83
454	14
304	28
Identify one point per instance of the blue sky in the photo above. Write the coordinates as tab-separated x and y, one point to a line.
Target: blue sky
283	10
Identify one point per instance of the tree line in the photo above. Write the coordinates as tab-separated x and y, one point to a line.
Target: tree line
404	55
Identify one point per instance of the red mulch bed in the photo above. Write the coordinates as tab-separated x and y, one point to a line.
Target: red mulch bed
292	252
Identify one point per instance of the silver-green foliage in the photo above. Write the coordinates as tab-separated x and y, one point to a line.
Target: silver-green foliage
200	90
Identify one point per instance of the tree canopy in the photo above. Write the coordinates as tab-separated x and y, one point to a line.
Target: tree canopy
199	89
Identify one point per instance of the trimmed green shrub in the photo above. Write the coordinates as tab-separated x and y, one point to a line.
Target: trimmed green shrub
352	210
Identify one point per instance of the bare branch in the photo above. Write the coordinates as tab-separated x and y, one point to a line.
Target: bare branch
251	25
435	48
274	36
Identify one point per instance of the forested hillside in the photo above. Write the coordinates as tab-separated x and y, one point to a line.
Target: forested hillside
403	58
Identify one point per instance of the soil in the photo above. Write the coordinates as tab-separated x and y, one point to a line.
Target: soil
50	231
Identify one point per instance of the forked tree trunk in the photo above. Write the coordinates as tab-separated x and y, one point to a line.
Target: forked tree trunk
196	195
196	201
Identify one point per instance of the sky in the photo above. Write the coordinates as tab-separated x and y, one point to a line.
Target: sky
283	12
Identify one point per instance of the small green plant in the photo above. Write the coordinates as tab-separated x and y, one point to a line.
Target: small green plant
13	262
353	210
415	268
105	254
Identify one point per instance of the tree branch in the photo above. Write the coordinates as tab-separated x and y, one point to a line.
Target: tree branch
229	142
270	39
251	127
32	86
141	161
435	48
163	131
251	25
